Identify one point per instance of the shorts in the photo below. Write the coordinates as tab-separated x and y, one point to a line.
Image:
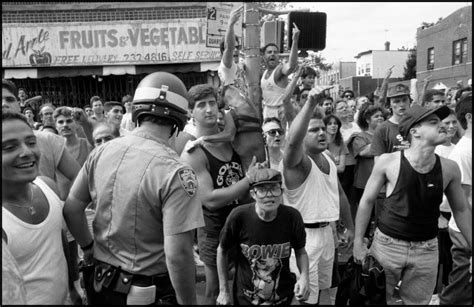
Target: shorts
320	249
207	244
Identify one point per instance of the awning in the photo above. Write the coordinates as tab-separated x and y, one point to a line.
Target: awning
74	71
21	73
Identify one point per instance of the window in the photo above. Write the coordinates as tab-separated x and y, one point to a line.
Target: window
460	51
367	69
430	58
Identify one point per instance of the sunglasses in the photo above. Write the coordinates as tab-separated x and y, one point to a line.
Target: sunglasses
273	132
348	96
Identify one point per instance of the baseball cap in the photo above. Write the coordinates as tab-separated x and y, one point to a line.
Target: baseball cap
398	90
264	176
416	114
109	104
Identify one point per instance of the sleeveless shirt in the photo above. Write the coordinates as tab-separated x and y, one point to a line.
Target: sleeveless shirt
223	174
39	252
411	211
317	198
272	94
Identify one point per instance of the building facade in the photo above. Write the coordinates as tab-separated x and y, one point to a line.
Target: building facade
339	70
375	63
444	50
68	52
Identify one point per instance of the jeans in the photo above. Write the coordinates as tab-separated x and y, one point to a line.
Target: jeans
414	263
459	288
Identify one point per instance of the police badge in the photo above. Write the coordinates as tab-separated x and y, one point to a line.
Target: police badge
188	181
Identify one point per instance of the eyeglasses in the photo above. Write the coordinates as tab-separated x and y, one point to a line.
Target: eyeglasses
261	192
348	96
273	132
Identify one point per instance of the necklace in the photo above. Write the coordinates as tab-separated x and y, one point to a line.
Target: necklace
30	208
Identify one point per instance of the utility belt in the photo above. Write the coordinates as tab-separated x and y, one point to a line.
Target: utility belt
316	225
132	289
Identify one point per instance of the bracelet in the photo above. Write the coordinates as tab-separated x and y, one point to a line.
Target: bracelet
88	246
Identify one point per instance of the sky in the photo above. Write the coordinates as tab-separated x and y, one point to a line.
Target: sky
354	27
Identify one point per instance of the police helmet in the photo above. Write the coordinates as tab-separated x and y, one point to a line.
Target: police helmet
161	94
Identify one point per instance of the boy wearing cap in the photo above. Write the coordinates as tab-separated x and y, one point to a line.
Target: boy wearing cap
387	137
264	234
405	241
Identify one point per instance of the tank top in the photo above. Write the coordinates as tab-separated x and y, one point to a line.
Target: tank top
411	211
272	94
317	199
223	174
39	252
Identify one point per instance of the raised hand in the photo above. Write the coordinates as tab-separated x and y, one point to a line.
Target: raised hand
296	32
235	15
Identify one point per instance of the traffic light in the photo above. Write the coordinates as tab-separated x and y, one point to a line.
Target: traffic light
272	32
313	30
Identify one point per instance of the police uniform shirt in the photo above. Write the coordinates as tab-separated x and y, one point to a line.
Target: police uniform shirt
142	193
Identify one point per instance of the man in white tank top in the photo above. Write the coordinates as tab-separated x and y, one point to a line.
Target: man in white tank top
312	186
275	77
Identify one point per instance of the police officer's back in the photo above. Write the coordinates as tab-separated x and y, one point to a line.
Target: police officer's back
146	206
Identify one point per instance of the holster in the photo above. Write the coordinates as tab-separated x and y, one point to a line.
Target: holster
111	278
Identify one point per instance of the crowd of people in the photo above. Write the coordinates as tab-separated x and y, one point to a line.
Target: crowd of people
119	201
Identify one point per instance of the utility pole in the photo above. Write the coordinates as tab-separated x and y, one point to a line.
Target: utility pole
251	31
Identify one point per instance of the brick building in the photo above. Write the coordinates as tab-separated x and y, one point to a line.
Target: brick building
444	50
70	51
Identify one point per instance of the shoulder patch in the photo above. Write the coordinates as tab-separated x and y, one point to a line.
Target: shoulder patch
188	180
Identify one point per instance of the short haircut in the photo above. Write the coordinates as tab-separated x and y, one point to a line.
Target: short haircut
64	111
347	91
110	104
222	43
264	48
308	71
200	91
28	109
429	94
48	104
463	107
94	99
7	116
460	92
10	86
272	119
365	112
338	139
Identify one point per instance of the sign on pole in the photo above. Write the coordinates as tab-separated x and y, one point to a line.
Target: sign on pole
218	14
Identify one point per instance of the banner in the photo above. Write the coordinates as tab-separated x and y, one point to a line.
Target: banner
106	43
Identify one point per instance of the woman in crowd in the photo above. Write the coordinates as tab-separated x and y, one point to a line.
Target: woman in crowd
32	216
336	145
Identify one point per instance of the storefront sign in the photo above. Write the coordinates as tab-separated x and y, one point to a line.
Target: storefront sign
111	43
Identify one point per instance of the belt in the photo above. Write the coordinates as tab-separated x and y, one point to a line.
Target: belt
145	281
316	225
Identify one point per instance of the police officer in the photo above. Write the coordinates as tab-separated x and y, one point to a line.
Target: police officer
146	206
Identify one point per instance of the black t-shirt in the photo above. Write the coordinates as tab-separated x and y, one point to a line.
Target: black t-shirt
263	250
387	139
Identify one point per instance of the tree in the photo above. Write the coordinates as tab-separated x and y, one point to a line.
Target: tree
410	68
